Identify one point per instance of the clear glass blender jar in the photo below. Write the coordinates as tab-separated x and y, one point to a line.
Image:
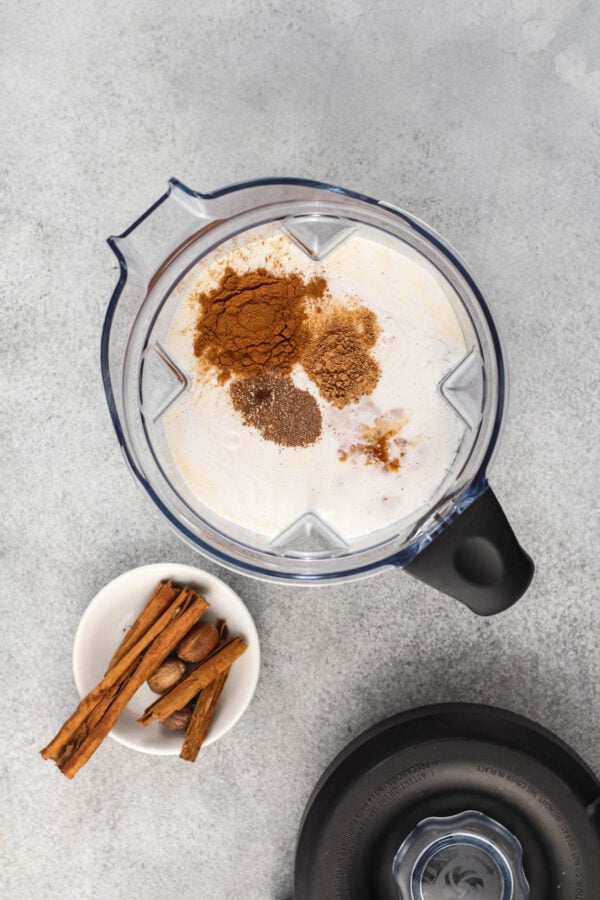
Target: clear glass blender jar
453	535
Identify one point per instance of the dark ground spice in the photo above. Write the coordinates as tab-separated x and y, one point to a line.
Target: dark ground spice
282	412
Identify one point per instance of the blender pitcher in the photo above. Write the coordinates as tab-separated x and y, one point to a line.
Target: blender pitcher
449	531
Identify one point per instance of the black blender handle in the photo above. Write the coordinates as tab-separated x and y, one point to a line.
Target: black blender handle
476	559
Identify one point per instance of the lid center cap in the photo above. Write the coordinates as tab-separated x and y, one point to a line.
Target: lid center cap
464	857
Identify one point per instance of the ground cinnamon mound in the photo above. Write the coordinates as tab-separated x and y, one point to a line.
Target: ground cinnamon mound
282	412
337	356
254	321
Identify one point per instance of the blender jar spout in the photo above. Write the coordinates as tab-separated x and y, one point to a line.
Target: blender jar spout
147	246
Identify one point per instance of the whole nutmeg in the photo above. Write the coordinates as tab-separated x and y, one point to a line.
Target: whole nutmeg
178	721
166	676
200	640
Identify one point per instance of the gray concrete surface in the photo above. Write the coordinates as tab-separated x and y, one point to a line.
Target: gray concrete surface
481	118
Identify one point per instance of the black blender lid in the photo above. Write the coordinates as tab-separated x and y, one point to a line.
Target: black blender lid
452	801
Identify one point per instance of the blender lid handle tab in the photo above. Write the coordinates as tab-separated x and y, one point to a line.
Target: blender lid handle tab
477	559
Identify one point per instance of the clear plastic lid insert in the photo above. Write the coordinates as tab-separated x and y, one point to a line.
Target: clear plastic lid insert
386	468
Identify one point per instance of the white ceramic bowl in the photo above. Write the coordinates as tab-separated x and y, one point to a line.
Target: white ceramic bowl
114	609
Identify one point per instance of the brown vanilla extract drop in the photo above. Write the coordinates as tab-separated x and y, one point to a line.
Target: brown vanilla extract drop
381	444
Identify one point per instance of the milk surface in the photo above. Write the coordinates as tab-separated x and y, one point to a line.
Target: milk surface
231	470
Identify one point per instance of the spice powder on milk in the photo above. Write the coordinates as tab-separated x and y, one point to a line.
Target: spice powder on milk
254	327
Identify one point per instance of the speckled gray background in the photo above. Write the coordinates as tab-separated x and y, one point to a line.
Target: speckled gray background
481	118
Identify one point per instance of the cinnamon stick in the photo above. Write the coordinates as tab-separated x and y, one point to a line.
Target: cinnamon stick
199	678
155	654
113	676
202	716
167	630
160	601
205	707
82	731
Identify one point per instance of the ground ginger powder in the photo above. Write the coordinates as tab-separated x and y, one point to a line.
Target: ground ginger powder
338	357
